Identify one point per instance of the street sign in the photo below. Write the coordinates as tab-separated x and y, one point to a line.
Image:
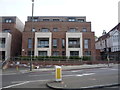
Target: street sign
58	73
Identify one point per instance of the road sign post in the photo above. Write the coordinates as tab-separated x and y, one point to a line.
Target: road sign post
58	73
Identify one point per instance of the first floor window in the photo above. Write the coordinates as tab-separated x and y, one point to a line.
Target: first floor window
29	43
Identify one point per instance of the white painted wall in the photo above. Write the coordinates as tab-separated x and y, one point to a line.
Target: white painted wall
7	48
74	35
43	35
113	41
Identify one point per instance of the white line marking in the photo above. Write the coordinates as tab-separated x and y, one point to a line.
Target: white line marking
79	75
77	71
16	84
23	83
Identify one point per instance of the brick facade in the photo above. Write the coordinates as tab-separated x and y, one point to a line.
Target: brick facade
63	25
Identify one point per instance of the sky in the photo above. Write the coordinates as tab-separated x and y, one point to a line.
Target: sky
103	14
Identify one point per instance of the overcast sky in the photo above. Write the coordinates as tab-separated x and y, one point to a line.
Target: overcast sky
103	14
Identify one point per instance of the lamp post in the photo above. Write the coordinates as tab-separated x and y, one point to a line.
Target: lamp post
32	36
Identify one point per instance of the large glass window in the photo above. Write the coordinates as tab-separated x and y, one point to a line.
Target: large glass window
44	30
2	42
72	30
86	43
63	43
84	29
29	43
74	42
55	29
55	53
7	30
46	19
55	43
74	53
43	43
8	20
71	19
42	53
87	53
56	19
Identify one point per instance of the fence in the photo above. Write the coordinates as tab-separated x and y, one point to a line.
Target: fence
64	60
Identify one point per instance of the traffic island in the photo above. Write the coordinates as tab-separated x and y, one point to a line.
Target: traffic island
62	86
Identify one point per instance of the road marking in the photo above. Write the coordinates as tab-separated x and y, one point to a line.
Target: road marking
80	75
77	71
24	82
16	84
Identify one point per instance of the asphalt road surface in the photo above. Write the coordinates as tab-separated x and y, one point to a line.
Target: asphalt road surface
38	79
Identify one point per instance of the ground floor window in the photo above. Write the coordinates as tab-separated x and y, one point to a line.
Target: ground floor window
2	55
74	53
87	53
55	53
42	53
29	53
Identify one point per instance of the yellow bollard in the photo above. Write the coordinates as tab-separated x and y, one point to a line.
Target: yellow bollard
58	73
17	68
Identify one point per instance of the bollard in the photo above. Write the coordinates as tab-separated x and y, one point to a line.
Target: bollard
58	73
17	68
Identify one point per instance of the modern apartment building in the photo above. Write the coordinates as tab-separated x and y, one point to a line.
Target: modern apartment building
58	36
10	36
109	43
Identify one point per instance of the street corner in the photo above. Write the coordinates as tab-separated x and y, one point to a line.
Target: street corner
59	85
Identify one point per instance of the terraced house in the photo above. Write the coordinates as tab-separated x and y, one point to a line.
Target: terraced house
58	36
11	29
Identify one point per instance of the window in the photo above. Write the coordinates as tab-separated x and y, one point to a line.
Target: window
72	30
2	42
86	42
7	30
56	20
29	53
33	30
55	43
29	43
74	53
74	42
55	29
63	53
46	20
55	53
63	43
80	20
71	19
35	19
42	53
84	30
44	30
87	53
8	20
43	43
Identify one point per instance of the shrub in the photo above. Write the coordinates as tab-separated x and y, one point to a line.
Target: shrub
86	58
74	57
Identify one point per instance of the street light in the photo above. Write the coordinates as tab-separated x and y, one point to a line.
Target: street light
33	30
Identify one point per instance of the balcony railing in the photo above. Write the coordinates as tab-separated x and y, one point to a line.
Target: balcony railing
43	46
74	46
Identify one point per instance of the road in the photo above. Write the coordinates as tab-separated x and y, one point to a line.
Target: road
38	79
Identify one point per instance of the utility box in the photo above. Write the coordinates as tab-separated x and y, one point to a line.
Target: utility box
58	73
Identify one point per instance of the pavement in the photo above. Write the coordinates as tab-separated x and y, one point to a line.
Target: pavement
66	83
65	68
